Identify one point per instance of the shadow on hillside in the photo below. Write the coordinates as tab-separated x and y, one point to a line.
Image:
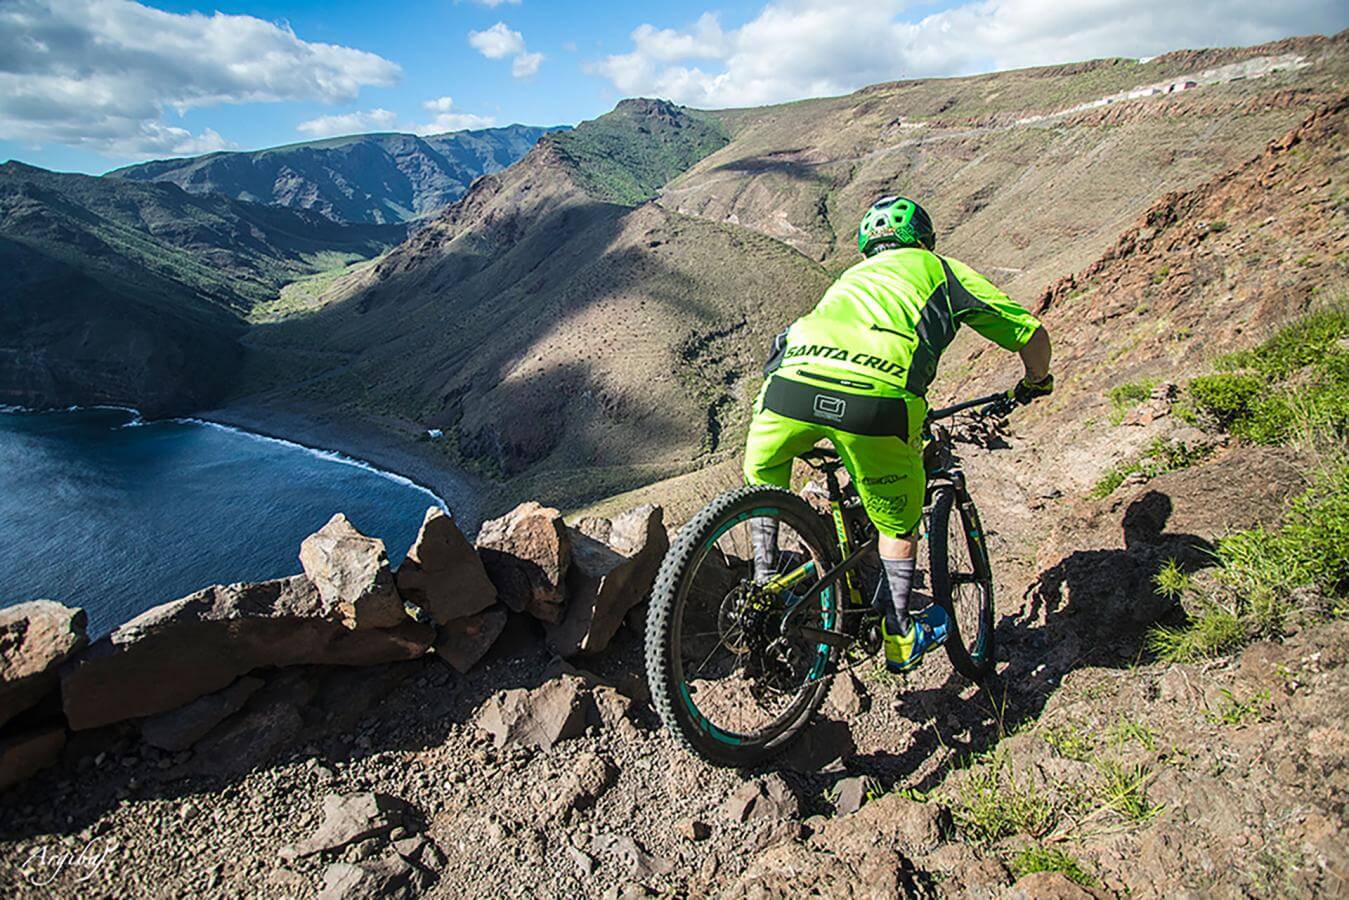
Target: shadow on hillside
1091	609
784	164
504	329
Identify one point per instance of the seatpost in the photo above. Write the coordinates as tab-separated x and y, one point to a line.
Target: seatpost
831	481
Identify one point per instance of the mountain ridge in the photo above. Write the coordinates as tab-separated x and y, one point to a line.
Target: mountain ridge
136	293
374	178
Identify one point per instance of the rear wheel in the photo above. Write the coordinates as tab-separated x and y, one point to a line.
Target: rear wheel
962	582
723	678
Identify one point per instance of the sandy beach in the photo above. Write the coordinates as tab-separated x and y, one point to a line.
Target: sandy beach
396	450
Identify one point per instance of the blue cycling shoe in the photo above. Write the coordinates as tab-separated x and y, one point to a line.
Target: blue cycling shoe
903	652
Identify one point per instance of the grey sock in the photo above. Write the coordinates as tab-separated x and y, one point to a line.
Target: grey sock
897	583
763	534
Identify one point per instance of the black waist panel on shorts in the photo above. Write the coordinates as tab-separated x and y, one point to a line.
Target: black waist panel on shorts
855	413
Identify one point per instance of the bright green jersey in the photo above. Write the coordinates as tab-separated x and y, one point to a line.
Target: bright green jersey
889	318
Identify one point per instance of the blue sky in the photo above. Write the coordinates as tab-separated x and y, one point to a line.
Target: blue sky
86	85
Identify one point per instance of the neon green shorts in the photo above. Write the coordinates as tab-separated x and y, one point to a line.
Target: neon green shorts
877	433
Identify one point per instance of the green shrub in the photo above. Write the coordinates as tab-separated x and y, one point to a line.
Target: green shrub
1292	388
1038	858
1259	569
1227	397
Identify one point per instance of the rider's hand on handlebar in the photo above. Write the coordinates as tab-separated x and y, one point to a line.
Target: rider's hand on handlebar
1027	390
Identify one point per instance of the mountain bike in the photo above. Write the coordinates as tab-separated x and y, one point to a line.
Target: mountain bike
738	666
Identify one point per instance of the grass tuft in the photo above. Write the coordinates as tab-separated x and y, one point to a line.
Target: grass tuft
1123	789
1255	591
993	805
1070	741
1235	713
1160	457
1038	858
1126	729
1124	397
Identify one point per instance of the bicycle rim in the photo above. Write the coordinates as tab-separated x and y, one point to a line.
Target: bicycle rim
962	582
740	687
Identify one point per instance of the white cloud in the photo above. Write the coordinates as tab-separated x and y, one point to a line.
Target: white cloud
811	48
349	123
444	118
104	74
499	42
493	4
526	64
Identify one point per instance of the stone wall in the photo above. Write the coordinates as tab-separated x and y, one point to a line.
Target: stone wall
253	658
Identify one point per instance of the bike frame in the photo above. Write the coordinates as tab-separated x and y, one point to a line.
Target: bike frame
850	523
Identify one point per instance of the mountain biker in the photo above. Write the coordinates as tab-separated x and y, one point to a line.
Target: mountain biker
855	370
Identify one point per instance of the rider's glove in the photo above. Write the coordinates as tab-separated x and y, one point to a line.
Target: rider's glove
1027	390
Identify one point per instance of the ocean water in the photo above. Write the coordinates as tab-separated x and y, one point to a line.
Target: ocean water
103	511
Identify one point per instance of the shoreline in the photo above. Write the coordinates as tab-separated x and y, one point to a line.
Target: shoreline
363	442
354	441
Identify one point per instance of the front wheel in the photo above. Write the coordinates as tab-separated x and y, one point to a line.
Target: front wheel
962	581
723	678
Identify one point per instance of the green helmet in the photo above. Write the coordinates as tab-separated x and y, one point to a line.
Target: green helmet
895	222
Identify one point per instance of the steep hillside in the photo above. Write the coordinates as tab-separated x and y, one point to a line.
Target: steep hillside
370	178
572	339
548	327
130	293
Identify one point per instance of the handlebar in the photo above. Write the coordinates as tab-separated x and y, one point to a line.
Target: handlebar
994	404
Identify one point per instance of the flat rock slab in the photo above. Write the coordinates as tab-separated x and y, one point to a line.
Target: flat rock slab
538	717
175	653
764	798
350	818
351	572
389	876
35	638
526	553
442	573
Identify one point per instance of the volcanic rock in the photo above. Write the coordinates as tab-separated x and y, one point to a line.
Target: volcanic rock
23	755
764	798
526	553
183	727
351	572
462	642
199	644
350	818
538	718
590	777
35	638
442	573
605	581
